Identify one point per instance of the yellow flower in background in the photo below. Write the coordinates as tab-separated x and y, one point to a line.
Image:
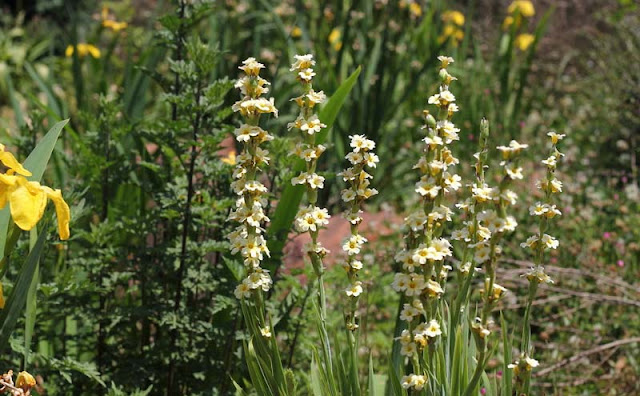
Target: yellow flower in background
525	7
524	40
296	32
1	297
105	12
454	17
111	23
414	8
114	25
451	32
230	158
28	199
453	21
508	21
334	39
83	50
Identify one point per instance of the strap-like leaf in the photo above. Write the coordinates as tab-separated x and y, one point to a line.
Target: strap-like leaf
16	301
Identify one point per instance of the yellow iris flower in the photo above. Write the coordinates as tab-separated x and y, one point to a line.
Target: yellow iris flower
28	199
415	9
334	39
230	159
453	21
83	50
110	23
525	7
114	25
524	40
296	32
453	16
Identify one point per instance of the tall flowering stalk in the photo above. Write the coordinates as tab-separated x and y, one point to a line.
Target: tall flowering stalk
539	243
483	234
247	238
311	218
361	157
424	273
358	191
261	351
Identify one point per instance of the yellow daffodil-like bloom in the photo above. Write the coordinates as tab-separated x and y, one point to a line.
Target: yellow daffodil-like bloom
524	7
1	297
28	199
452	16
25	381
523	41
83	50
334	39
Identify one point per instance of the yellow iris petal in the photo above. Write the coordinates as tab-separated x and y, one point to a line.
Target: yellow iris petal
6	184
62	211
95	52
27	202
11	162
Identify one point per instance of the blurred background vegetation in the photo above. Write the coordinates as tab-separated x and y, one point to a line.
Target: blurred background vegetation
140	300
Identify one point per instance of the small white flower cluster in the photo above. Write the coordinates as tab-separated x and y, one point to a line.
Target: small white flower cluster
358	190
477	233
311	218
420	337
413	381
247	238
525	363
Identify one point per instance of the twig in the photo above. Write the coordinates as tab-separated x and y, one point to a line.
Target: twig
575	358
586	295
578	272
